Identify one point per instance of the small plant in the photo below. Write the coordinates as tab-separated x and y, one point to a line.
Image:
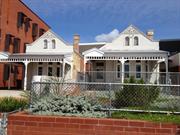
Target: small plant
8	104
135	95
66	106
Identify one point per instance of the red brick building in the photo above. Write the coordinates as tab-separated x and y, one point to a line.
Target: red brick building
18	25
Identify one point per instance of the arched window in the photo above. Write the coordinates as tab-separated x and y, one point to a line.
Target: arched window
45	44
136	41
53	44
127	41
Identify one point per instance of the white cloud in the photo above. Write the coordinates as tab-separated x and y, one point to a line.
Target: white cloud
107	37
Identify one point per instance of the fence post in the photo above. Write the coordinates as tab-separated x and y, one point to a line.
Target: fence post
3	125
31	96
110	100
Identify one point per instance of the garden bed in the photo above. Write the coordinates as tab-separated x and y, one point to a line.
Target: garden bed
26	124
152	117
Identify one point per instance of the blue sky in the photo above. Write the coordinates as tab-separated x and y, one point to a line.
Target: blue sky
103	18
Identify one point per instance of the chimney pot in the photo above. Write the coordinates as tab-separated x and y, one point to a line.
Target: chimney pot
76	42
150	34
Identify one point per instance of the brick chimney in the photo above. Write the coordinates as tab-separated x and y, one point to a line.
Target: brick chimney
150	34
76	43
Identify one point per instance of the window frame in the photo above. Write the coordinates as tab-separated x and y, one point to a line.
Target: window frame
38	73
53	44
45	44
138	73
127	41
60	70
126	73
48	73
40	65
136	41
118	73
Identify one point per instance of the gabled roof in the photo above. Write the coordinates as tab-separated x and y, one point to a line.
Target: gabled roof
86	46
136	29
53	33
93	50
93	43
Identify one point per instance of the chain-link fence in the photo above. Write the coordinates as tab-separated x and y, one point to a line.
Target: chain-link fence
116	96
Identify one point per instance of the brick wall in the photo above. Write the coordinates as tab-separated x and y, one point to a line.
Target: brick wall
8	25
22	124
78	65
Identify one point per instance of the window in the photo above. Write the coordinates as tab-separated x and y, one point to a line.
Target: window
40	70
58	72
138	71
126	70
53	44
136	41
34	29
25	47
41	31
118	71
45	44
7	42
50	63
27	24
49	71
20	19
127	41
16	47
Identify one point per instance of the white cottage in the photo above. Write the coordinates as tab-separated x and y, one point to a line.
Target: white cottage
132	53
47	57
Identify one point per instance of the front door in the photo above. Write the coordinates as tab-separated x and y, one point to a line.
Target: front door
100	74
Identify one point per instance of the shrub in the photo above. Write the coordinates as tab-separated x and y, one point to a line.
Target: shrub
8	104
66	106
135	95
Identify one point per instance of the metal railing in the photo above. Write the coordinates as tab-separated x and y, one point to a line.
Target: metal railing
116	96
148	77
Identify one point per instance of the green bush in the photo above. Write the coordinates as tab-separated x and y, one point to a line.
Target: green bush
8	104
66	106
135	95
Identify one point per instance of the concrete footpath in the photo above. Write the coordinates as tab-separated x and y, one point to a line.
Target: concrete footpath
10	93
